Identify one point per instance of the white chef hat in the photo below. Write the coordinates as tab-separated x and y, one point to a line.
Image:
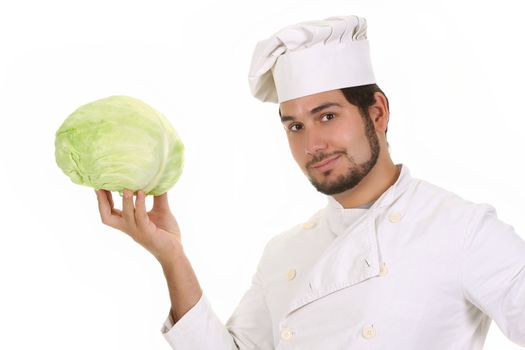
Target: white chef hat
311	57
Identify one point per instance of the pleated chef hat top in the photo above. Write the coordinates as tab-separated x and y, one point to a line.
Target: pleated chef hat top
311	57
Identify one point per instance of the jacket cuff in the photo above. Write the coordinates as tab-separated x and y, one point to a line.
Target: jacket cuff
199	328
189	320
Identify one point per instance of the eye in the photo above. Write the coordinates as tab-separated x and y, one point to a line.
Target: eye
295	127
328	116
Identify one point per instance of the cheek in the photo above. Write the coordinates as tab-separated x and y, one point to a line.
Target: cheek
361	149
354	141
297	150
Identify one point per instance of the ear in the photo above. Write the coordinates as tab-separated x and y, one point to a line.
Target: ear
379	112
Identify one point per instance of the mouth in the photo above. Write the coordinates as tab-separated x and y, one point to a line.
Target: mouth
326	164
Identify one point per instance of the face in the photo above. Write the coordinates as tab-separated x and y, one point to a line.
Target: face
333	143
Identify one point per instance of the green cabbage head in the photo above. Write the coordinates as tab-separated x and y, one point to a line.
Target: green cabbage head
119	143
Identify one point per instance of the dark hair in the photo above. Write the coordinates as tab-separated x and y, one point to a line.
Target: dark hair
363	96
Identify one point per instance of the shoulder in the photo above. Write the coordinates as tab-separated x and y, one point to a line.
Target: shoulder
429	199
296	234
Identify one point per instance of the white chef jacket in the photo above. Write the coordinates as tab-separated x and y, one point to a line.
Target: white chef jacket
420	269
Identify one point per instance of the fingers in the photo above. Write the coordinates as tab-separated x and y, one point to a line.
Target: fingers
104	207
128	209
108	214
141	216
110	200
160	203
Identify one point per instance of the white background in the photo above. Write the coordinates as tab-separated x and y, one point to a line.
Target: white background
453	71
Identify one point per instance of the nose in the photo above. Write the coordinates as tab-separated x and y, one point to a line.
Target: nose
314	142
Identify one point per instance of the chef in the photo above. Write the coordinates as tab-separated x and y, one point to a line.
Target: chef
391	262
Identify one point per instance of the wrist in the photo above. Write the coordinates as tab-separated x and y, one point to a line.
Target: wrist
172	256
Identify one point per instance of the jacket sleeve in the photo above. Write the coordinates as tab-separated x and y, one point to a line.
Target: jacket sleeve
249	327
493	272
250	323
198	329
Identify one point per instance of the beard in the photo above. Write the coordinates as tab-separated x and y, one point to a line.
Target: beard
356	172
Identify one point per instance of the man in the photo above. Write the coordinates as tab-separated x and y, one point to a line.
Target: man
391	262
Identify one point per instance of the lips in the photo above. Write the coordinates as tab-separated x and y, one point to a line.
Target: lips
325	164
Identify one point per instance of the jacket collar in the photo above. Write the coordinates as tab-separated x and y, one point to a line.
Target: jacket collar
386	198
396	190
339	219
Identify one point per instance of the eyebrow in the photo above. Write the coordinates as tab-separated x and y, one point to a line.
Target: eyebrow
286	118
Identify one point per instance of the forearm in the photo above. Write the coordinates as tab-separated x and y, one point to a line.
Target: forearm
183	285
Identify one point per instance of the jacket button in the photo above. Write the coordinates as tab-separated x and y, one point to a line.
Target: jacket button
286	334
369	332
394	217
309	224
383	270
291	274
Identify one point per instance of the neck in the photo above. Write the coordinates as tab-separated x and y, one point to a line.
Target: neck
383	175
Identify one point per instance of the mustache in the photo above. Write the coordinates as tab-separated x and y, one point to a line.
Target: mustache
322	156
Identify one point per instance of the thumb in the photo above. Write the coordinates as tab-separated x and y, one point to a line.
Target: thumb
160	203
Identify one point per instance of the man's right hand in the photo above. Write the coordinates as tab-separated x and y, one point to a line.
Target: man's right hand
156	230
